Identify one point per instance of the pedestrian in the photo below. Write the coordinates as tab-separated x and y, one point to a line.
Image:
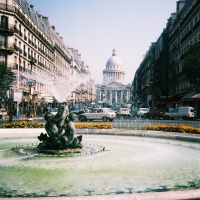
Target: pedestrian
18	114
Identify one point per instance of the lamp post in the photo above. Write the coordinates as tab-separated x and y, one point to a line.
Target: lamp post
11	105
31	84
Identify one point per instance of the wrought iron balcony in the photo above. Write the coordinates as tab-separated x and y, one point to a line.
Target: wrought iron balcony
6	28
6	48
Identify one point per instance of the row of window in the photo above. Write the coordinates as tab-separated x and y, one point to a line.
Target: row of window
195	21
178	87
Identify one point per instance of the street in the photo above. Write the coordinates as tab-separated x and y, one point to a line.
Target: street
139	123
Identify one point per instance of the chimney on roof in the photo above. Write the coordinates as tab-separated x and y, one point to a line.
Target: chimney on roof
57	33
31	6
46	18
61	38
53	27
179	5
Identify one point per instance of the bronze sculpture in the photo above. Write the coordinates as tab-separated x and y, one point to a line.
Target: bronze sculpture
60	131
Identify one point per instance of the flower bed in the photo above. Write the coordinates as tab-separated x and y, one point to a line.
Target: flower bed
94	126
23	124
181	128
26	124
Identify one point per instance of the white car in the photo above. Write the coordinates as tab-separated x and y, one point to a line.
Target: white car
141	111
123	112
103	114
3	112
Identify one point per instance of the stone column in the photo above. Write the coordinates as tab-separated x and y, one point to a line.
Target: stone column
127	94
121	96
116	96
100	95
111	97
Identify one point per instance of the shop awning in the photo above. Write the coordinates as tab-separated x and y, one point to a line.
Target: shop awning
176	98
191	96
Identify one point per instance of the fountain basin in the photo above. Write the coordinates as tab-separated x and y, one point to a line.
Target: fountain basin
129	165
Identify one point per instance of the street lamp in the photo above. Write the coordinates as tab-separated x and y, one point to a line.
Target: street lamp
31	84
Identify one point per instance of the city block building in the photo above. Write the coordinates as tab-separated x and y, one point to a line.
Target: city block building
30	44
159	81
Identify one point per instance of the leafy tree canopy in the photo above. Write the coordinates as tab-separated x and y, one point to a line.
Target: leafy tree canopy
6	77
191	65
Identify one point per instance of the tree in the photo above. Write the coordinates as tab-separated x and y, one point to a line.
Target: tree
6	77
191	65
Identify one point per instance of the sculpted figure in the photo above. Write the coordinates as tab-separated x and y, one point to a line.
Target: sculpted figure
60	131
59	120
50	126
68	136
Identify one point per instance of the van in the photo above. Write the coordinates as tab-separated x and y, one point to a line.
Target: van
181	112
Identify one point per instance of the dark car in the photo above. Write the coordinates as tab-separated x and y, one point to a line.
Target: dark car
82	110
155	114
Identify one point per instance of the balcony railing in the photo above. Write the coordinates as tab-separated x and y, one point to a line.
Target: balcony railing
7	28
6	47
24	19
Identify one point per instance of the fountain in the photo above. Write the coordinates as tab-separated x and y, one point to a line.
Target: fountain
100	165
126	165
56	85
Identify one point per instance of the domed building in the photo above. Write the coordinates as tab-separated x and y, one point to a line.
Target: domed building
114	89
114	70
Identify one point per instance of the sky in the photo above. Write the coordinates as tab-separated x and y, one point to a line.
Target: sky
96	27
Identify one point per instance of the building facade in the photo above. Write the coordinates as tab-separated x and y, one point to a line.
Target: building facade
162	65
31	45
114	89
185	31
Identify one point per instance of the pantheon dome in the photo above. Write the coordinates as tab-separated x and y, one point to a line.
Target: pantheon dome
114	70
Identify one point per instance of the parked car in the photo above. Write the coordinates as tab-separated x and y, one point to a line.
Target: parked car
103	114
75	111
123	112
141	111
82	110
181	112
3	112
155	114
